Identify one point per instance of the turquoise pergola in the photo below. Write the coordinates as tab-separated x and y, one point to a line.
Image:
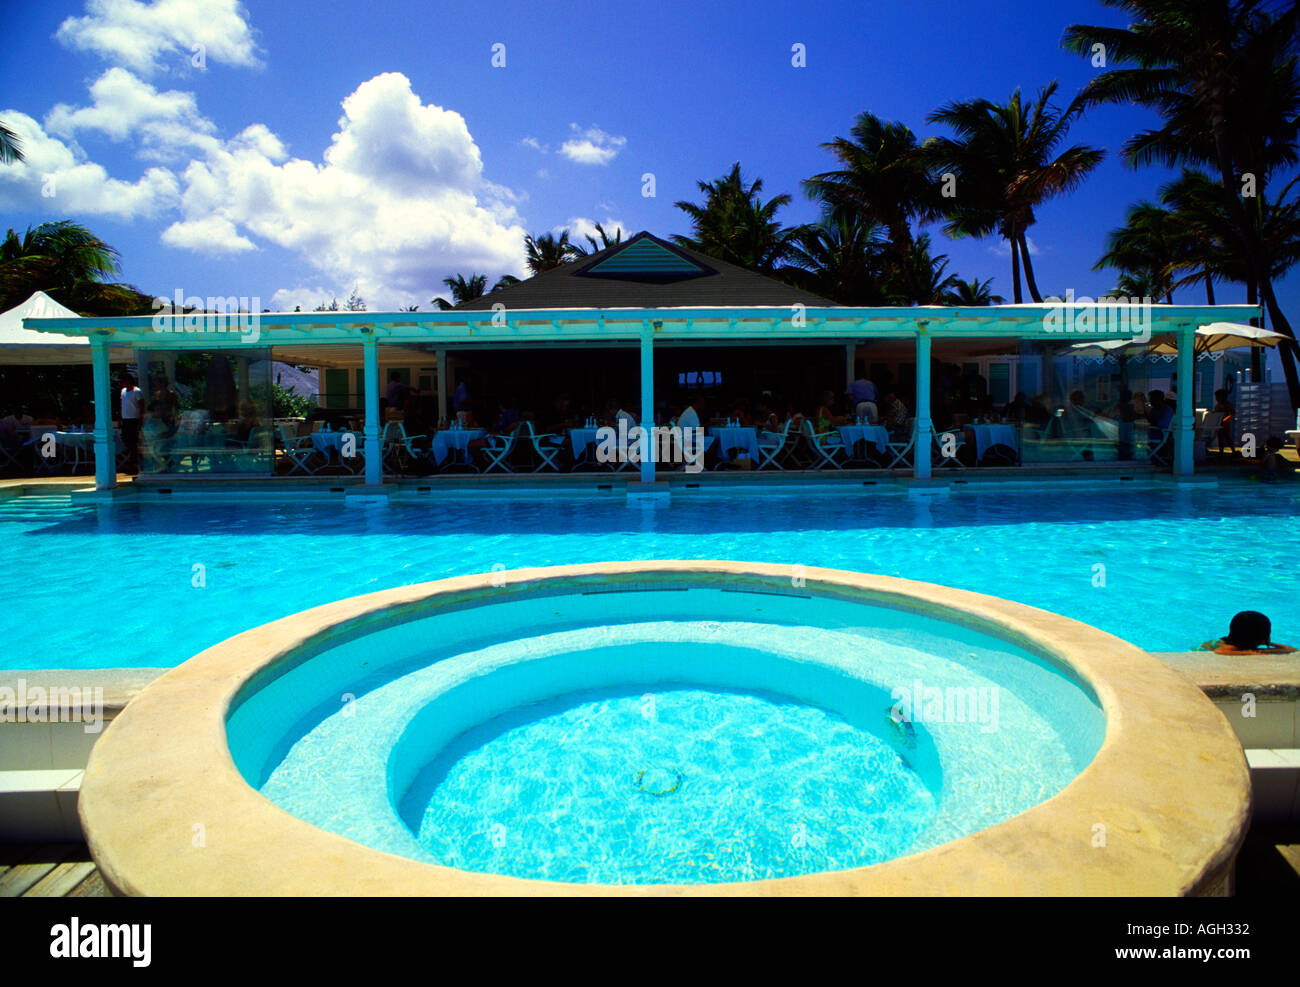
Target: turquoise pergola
436	332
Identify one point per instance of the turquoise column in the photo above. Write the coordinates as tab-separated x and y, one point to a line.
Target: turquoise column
647	402
1185	413
105	454
374	452
924	427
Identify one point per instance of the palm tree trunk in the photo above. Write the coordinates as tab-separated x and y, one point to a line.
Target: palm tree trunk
1209	289
1250	242
1029	268
1015	269
1287	351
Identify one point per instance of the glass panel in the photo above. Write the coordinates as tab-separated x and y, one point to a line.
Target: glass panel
204	411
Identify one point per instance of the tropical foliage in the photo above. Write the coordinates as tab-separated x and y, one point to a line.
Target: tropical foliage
70	264
1222	76
736	225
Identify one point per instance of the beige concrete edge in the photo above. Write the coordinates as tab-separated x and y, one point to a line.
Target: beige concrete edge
117	686
1162	809
1275	677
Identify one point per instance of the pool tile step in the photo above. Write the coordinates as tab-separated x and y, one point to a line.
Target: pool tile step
40	805
1275	782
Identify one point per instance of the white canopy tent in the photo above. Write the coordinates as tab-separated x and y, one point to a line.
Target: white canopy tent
31	348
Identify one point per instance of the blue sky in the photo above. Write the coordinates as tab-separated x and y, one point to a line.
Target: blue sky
322	147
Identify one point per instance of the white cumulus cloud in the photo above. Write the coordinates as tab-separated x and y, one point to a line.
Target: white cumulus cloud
147	37
397	201
209	235
124	105
580	227
591	146
60	179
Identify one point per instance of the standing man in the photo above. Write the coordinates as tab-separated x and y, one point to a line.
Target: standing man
132	414
864	399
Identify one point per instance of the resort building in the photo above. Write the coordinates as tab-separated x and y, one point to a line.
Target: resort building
645	331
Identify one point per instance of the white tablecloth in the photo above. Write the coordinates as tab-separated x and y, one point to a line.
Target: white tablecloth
993	435
453	438
581	438
736	437
327	442
851	435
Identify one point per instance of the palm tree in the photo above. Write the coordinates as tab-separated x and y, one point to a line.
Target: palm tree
597	246
883	178
1149	247
463	290
840	258
505	281
546	252
919	278
67	261
1004	159
1211	251
1006	162
972	292
11	146
735	225
1222	74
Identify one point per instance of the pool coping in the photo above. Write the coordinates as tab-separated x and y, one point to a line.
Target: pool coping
1161	810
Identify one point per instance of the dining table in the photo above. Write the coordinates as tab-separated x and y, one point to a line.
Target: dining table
736	437
987	436
851	435
77	443
454	442
329	441
582	439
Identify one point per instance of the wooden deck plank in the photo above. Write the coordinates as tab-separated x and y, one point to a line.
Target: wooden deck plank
60	882
92	887
17	880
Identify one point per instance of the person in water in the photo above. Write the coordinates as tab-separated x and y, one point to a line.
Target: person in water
1250	633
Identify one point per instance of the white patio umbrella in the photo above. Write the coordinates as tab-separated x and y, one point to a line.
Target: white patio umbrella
19	345
1212	338
1219	336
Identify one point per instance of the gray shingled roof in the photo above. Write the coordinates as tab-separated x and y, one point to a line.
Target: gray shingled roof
721	285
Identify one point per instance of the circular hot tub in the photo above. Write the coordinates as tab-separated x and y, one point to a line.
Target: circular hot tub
686	726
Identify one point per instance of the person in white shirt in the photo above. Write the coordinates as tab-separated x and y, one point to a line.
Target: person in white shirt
132	417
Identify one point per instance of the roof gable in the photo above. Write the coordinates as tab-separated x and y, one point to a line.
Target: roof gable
647	272
643	258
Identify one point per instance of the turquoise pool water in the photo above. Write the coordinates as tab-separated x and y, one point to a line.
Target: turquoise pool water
688	735
116	585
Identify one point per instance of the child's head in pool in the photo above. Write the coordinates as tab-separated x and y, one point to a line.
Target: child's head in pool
1249	630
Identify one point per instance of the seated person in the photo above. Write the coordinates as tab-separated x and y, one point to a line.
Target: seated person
826	418
896	414
1249	633
248	420
1226	408
507	416
1271	464
1017	409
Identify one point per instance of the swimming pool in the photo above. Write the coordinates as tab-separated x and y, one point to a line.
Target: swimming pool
127	584
702	727
619	735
